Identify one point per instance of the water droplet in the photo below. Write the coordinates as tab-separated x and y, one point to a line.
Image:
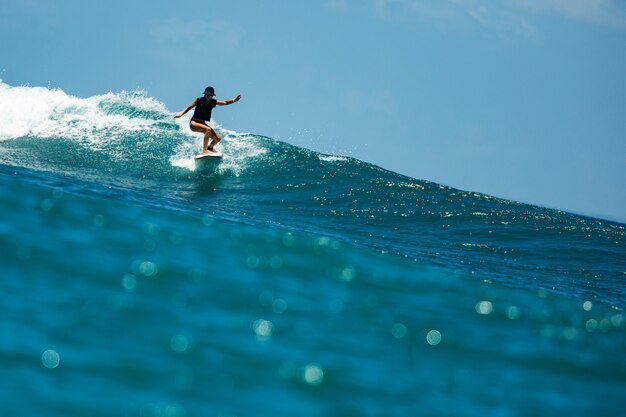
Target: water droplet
148	269
180	343
129	282
616	320
398	330
591	325
289	240
276	262
605	324
484	307
263	329
279	306
322	241
433	337
50	359
570	333
348	274
587	305
512	312
313	374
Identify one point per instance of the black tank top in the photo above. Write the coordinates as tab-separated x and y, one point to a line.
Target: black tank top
203	108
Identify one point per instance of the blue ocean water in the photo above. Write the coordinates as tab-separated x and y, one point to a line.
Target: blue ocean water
283	281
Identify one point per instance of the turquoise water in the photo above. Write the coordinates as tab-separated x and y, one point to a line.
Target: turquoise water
283	282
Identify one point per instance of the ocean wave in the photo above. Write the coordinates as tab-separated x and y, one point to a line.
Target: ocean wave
128	146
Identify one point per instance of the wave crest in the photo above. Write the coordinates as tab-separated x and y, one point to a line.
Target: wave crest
45	113
112	127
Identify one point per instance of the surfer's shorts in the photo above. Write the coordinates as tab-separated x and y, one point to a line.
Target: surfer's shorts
199	121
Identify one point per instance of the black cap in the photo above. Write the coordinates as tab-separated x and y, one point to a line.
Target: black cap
209	90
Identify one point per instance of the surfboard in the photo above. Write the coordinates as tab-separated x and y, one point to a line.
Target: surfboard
206	162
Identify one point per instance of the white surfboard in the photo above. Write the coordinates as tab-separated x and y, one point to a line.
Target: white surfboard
209	161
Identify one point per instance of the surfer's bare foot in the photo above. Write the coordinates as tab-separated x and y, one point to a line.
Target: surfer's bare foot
208	152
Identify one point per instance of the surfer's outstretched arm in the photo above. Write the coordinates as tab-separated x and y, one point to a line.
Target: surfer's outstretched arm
189	107
227	102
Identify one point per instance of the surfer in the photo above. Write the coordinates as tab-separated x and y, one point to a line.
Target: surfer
202	115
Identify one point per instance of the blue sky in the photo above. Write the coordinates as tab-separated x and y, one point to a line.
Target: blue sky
522	99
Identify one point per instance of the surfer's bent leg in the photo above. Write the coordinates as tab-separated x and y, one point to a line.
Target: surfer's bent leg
215	139
206	130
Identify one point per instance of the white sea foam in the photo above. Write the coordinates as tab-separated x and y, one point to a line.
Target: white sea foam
101	122
45	113
332	158
405	185
237	149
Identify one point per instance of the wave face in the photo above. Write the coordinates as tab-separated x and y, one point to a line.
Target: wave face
284	281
